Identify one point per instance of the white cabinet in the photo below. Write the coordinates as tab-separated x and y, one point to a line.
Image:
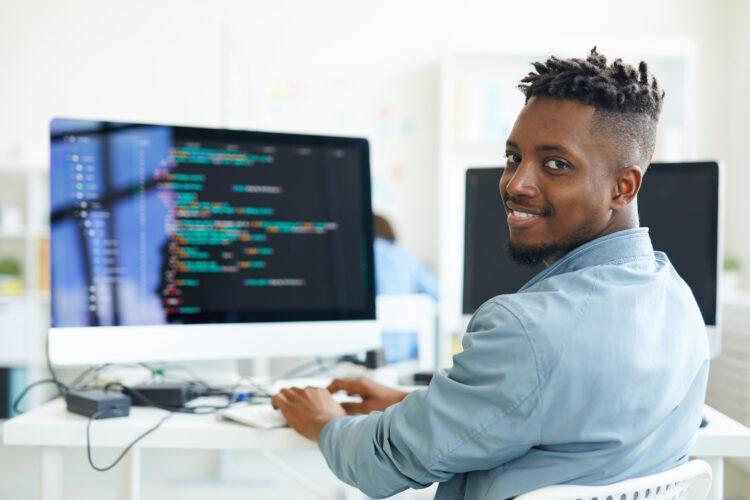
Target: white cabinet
24	236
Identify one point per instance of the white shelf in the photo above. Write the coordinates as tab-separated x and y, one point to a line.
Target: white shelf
25	317
22	233
22	169
39	297
19	234
37	232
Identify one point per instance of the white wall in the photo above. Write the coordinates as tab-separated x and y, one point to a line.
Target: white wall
334	66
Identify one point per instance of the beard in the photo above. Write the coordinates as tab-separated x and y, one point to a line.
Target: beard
533	255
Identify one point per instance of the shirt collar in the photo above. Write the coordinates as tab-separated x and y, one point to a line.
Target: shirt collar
624	244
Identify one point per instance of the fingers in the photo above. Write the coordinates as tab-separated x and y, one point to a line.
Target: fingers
289	393
293	395
346	384
279	400
285	397
337	384
352	386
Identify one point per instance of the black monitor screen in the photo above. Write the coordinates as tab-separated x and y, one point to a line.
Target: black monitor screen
678	202
155	224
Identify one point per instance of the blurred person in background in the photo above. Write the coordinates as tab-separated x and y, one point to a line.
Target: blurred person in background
396	270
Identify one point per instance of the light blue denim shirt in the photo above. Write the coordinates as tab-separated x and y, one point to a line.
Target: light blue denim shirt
594	372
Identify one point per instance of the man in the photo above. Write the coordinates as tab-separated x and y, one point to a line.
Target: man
592	373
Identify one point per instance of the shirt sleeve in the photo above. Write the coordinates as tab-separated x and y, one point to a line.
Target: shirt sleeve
482	413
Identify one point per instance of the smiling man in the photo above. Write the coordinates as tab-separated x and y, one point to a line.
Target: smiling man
594	371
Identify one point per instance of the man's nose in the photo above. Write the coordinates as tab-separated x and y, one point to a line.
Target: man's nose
523	181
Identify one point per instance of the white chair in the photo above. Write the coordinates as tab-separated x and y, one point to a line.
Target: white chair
690	481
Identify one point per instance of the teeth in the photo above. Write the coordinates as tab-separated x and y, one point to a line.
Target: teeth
522	215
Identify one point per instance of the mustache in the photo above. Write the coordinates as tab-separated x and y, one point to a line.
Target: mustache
518	200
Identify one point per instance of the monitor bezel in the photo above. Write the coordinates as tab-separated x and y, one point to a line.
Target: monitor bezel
122	344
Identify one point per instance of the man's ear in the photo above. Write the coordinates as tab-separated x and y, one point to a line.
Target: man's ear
626	187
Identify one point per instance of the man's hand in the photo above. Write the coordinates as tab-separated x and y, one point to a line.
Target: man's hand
307	410
375	397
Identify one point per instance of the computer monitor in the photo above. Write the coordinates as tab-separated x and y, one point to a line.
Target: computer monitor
678	202
182	243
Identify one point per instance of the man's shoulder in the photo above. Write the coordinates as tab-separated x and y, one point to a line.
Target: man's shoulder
552	301
561	302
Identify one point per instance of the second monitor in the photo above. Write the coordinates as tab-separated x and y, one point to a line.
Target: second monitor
678	202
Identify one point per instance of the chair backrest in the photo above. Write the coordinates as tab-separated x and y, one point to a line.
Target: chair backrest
690	481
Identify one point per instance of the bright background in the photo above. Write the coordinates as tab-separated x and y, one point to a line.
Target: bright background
409	76
343	67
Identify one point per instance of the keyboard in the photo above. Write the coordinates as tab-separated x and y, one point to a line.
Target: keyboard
262	416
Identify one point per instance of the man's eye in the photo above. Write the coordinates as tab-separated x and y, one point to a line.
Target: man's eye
512	159
556	164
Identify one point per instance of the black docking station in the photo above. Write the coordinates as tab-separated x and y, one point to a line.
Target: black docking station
163	394
97	403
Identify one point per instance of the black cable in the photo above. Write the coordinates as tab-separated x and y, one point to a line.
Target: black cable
25	391
124	452
165	367
194	410
212	390
87	372
82	376
323	367
300	370
259	389
55	380
62	389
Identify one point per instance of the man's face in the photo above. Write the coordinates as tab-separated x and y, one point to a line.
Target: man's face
558	180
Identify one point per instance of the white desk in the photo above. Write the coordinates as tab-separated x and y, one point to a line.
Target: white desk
52	428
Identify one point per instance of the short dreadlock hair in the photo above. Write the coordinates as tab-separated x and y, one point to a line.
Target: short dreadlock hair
627	101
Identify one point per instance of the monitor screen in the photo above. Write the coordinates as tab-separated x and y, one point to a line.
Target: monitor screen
678	202
167	225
